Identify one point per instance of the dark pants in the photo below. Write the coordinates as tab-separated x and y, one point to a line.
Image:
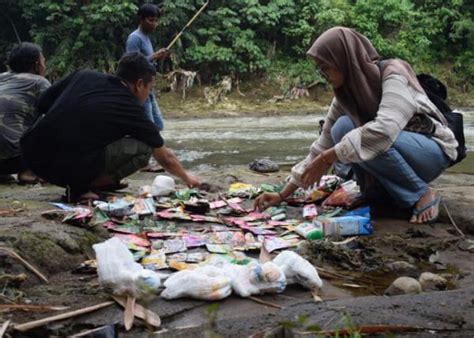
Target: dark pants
12	166
124	157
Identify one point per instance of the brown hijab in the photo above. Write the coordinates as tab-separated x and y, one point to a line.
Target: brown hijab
352	54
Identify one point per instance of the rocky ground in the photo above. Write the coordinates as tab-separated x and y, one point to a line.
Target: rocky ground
355	274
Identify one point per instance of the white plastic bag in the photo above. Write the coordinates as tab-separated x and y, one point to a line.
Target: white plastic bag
256	278
298	270
118	271
207	283
163	186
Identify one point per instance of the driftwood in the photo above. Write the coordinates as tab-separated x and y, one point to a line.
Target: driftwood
181	79
38	323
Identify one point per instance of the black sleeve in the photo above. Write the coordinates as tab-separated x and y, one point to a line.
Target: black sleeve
47	99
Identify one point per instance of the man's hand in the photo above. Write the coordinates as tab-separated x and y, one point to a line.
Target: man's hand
161	54
265	200
192	181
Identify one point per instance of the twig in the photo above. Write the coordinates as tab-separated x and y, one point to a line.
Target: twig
32	308
452	221
37	323
372	329
4	328
28	265
258	300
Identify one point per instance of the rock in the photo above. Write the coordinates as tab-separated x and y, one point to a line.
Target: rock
401	267
403	286
264	165
432	282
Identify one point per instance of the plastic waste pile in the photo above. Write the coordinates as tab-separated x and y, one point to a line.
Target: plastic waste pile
207	239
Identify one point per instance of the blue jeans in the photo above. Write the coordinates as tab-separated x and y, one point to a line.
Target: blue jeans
153	111
405	169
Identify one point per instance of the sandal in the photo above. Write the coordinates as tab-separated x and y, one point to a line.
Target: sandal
434	203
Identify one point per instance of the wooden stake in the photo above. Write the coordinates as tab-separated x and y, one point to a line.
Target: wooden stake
141	312
37	323
4	328
28	265
258	300
129	313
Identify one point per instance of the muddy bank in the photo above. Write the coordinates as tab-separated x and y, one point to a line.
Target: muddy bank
355	274
259	98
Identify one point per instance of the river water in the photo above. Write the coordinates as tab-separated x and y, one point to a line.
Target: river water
210	143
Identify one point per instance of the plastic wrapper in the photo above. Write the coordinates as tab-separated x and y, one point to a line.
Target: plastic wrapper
206	283
298	270
256	278
163	186
118	272
344	196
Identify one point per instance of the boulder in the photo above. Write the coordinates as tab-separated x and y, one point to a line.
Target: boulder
403	286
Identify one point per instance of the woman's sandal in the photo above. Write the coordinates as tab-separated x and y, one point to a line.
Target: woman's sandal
434	203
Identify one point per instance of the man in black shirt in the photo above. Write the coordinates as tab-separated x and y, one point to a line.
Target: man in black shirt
95	132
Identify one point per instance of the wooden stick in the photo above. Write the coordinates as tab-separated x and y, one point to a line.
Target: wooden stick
28	265
141	312
129	313
452	221
187	25
258	300
4	328
37	323
32	307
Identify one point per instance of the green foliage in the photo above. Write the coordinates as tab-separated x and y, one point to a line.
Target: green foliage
246	37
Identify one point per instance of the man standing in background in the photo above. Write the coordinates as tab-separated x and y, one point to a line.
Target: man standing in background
139	41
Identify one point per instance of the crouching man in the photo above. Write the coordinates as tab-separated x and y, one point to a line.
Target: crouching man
20	89
95	131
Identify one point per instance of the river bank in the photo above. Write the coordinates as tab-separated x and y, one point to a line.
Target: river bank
260	98
56	249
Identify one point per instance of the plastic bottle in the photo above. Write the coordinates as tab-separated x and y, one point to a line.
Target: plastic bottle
347	226
310	230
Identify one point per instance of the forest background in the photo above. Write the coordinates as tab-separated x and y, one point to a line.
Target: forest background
246	39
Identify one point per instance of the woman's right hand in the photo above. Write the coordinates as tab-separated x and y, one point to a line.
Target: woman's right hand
265	200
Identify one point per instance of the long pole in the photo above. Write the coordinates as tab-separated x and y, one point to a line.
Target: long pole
187	25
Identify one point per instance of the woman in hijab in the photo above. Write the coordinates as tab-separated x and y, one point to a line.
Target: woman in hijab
380	121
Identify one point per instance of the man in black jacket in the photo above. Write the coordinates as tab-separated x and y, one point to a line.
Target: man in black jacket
95	132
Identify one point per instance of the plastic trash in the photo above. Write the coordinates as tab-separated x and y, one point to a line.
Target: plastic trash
163	186
256	278
298	270
347	226
206	283
343	196
118	271
310	230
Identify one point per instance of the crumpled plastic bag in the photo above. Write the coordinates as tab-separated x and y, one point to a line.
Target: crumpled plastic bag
206	283
162	186
256	278
343	196
118	271
264	165
298	270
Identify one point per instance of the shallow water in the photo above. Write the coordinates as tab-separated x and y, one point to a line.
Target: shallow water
216	142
